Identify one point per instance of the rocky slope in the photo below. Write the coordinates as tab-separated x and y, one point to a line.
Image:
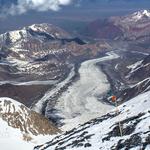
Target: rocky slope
22	128
134	90
103	133
137	78
140	70
20	117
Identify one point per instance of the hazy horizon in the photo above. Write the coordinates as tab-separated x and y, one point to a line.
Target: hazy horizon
76	13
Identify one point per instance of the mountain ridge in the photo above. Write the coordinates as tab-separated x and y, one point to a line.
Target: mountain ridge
129	27
27	121
103	132
62	78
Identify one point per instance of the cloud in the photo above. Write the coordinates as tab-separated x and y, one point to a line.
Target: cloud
22	6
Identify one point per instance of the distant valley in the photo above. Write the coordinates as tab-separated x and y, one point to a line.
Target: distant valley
66	82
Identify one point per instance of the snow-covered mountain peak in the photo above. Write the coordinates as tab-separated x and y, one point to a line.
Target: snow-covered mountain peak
36	31
146	12
140	14
40	27
50	29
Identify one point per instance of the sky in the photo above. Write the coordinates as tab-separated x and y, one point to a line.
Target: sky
18	7
20	13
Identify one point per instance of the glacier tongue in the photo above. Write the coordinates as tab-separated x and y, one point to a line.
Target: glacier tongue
80	102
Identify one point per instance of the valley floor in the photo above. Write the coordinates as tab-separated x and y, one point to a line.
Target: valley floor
79	103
